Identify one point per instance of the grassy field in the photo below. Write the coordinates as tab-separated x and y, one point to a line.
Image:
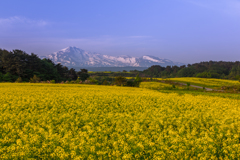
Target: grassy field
155	85
206	82
181	90
70	121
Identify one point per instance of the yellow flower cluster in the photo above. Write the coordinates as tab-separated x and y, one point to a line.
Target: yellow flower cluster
210	82
66	121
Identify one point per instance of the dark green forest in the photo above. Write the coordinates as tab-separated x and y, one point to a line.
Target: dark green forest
17	65
211	69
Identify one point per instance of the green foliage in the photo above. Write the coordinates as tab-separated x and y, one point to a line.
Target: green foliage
52	81
17	63
8	77
120	81
72	82
93	80
215	75
188	85
130	83
35	79
186	72
235	72
154	70
238	88
105	82
72	74
204	75
137	81
78	80
19	80
1	77
21	64
83	76
209	69
233	88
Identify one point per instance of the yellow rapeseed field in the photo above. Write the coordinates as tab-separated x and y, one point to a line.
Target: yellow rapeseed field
154	85
209	82
69	121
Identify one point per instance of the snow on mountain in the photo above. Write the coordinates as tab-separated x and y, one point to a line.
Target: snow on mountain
151	59
72	56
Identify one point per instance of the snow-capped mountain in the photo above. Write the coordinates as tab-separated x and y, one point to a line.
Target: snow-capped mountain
72	56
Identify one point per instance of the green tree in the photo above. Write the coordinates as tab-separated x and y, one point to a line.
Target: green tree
130	83
105	82
35	79
235	72
72	74
83	74
154	71
19	80
204	75
120	81
137	81
186	72
47	71
1	77
93	80
20	64
8	77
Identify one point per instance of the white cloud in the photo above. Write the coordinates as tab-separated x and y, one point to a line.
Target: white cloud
16	20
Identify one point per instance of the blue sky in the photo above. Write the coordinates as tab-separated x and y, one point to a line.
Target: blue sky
186	31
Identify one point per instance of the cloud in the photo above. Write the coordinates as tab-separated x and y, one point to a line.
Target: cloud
22	21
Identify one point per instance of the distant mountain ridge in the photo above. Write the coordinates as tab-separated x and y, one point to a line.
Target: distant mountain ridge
73	56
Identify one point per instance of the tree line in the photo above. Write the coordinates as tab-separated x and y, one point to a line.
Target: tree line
211	69
18	65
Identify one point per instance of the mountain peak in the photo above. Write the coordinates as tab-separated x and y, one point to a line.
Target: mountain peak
73	56
69	48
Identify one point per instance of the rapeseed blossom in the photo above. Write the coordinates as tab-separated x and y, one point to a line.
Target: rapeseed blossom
210	82
66	121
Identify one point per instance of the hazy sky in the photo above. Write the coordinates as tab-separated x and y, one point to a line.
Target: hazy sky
180	30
